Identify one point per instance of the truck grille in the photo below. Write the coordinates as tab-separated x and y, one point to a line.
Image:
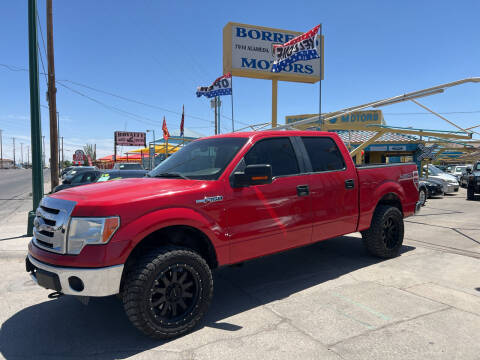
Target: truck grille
50	224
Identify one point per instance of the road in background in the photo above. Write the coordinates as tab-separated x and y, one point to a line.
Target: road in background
16	197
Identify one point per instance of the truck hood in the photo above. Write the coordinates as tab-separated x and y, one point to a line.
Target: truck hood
110	197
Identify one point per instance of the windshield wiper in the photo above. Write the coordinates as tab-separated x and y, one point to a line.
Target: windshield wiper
172	174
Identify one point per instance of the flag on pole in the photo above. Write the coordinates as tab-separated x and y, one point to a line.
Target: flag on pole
303	47
182	121
221	86
166	134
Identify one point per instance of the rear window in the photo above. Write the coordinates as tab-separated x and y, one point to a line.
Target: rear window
324	154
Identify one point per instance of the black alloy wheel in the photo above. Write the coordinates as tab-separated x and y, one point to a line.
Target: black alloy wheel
167	292
384	238
390	233
174	294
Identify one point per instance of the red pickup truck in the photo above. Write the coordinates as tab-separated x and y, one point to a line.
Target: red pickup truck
219	200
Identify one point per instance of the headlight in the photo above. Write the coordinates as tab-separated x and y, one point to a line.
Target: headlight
90	231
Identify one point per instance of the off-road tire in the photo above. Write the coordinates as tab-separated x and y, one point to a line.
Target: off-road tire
374	237
143	279
425	193
470	193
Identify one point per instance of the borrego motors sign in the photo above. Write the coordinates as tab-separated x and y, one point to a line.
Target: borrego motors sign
248	52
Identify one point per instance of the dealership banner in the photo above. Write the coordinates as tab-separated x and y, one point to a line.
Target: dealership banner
221	86
130	138
301	48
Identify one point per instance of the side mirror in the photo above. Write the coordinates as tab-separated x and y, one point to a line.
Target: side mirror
66	181
253	175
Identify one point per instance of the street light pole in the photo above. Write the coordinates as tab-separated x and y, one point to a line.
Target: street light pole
35	127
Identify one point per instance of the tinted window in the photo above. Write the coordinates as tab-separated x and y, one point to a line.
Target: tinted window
278	152
77	179
324	154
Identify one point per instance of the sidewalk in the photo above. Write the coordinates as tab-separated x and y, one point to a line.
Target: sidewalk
13	235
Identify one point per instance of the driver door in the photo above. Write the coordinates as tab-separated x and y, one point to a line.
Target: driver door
268	218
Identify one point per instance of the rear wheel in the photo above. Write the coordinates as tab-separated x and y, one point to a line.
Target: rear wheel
167	292
384	239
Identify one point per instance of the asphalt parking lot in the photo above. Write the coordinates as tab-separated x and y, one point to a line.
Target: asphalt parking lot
330	300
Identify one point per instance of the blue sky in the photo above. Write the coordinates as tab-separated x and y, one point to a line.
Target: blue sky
158	52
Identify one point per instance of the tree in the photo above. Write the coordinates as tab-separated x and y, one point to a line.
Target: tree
89	149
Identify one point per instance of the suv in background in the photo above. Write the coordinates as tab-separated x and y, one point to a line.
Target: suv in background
128	166
473	181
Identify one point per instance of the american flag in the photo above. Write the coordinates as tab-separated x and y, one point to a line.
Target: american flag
221	86
166	134
301	48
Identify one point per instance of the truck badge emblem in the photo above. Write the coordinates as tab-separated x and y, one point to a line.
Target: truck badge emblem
209	199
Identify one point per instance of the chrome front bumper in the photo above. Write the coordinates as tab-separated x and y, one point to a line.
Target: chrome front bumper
96	281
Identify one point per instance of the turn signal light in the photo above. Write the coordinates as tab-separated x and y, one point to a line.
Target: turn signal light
111	225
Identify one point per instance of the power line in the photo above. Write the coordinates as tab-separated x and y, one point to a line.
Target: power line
139	118
131	100
39	51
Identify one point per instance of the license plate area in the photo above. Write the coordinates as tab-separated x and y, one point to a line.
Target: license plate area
48	280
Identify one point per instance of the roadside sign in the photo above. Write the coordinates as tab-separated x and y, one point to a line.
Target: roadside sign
78	157
130	138
248	52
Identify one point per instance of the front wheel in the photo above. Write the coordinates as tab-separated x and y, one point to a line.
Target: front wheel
167	292
384	238
422	196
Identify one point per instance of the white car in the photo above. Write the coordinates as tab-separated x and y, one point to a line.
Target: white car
459	169
451	182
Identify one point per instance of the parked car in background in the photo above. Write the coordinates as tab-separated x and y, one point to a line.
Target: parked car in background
66	170
437	174
128	166
79	178
473	183
120	174
464	177
434	187
442	167
458	170
76	169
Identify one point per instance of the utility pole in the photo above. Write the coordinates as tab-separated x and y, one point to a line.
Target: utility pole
63	160
216	123
14	153
1	149
43	151
52	99
21	153
35	123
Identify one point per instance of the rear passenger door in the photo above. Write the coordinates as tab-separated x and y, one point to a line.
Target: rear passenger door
333	187
267	218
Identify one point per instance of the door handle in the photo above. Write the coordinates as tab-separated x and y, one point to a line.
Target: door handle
303	190
349	184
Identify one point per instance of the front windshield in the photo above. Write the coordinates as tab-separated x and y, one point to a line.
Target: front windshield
201	159
433	170
460	168
477	168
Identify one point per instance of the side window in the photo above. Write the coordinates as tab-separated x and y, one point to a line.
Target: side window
77	179
278	152
88	177
323	153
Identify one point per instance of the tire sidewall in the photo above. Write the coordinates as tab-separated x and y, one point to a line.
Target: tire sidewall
148	323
